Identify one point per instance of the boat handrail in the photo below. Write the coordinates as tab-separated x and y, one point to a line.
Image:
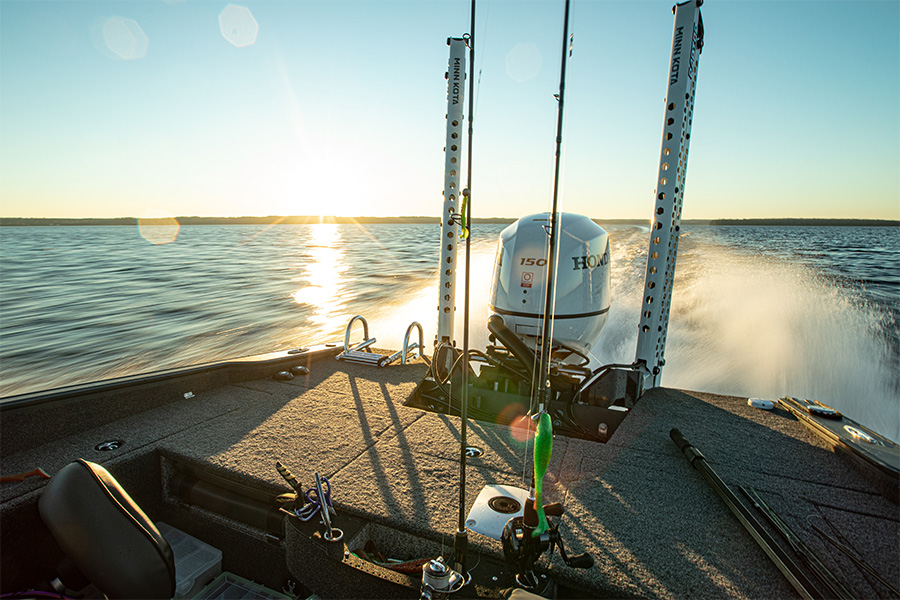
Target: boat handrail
356	354
402	354
366	341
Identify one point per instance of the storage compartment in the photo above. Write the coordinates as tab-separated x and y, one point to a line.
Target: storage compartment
196	563
395	546
240	502
230	586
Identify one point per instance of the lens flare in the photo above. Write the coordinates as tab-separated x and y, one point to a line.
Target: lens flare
238	26
120	38
159	230
521	427
523	62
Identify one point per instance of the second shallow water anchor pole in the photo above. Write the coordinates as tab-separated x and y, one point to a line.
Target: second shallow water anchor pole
456	77
687	42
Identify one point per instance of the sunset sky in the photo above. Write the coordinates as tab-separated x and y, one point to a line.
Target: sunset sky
151	108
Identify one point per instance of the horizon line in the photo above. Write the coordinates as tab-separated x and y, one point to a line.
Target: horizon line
410	219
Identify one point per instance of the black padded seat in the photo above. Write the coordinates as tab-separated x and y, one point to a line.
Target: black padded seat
106	534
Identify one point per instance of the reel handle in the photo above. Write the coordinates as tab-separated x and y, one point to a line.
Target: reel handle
580	561
555	509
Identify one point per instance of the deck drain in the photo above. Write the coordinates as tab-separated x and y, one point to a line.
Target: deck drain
109	445
473	451
504	505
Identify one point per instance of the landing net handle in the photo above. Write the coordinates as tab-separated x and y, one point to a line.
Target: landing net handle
456	77
687	43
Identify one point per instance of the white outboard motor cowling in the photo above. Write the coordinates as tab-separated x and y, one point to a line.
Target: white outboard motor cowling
582	285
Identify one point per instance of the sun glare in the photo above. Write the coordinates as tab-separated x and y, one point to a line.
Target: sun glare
322	279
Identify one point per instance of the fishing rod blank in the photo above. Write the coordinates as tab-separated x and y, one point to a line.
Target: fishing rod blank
460	540
795	576
544	390
836	588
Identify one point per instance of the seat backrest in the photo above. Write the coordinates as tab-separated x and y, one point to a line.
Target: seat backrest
106	534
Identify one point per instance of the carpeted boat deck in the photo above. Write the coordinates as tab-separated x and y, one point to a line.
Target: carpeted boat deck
652	523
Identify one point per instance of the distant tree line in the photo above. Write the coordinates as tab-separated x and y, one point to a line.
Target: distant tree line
306	220
809	222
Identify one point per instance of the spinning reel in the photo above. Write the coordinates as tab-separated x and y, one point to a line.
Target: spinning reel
522	548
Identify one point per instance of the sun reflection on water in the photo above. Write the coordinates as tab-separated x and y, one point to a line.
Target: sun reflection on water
323	281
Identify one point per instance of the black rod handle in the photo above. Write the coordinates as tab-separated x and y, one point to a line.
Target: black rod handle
679	439
691	453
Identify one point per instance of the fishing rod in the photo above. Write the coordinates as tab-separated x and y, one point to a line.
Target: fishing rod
832	586
526	538
549	292
543	439
788	567
460	539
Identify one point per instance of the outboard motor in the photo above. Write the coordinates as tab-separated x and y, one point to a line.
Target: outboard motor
588	401
582	286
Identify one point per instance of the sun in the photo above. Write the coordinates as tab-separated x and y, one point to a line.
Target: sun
330	183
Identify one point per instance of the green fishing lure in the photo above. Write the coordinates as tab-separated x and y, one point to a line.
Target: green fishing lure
543	448
464	231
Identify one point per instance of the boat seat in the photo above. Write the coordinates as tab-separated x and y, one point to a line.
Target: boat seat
106	534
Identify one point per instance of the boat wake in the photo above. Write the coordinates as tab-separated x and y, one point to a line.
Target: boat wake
746	325
741	324
743	321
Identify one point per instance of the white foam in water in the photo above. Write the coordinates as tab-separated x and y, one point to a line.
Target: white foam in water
740	325
747	326
769	329
389	323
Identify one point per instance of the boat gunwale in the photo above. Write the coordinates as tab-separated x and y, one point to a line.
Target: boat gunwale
248	365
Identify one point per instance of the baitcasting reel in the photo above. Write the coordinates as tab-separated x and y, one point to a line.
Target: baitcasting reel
522	549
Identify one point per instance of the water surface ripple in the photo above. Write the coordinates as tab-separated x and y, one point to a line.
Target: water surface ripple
762	311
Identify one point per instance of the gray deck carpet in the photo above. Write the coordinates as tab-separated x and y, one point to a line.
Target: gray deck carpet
652	523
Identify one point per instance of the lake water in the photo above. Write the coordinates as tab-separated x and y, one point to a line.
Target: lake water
756	311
